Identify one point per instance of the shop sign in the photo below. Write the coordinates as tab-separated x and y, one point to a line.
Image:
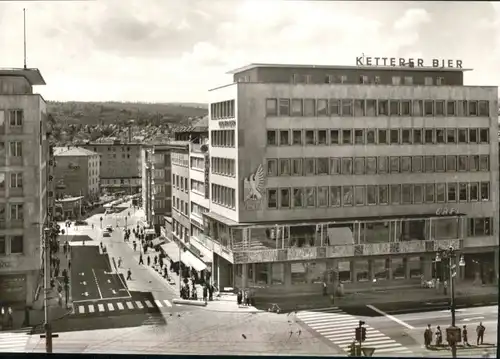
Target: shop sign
227	124
207	177
445	211
410	62
5	264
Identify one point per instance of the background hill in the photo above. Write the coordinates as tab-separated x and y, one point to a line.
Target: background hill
105	113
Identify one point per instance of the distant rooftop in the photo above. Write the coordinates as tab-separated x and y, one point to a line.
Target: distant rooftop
200	125
33	76
73	151
340	67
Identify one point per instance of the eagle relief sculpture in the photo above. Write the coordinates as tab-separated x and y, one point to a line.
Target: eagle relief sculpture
254	188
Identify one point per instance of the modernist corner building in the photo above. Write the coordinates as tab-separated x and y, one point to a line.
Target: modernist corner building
351	173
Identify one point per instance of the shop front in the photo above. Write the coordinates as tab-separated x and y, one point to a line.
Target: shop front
13	290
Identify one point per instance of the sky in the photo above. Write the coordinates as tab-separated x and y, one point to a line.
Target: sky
176	50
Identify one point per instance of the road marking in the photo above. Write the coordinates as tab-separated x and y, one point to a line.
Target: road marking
113	291
158	303
82	274
120	306
388	316
473	318
101	307
139	304
109	280
91	308
130	305
86	294
449	310
81	309
97	284
167	303
110	307
149	304
84	283
387	350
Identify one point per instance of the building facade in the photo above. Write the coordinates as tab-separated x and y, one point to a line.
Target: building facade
351	174
120	166
24	151
77	173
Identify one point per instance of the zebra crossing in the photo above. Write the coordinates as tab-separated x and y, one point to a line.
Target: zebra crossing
338	327
121	306
15	341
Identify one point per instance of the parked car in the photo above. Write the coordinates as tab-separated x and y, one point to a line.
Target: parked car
80	222
106	234
109	228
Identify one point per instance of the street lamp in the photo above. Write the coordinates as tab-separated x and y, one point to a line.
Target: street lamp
453	333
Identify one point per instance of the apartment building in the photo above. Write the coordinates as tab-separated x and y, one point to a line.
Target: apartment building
120	165
24	151
77	173
351	174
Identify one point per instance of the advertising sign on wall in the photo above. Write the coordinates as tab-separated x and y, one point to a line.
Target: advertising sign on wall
207	176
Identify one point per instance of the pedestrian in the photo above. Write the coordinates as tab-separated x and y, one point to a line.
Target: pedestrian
428	336
141	260
239	297
129	274
135	245
324	289
445	286
480	333
69	264
119	262
205	293
439	336
56	272
148	260
10	318
92	225
465	336
64	249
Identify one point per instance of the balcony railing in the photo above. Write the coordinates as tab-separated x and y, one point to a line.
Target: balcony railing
196	147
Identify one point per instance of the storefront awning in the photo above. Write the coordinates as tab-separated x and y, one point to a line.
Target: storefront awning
190	260
171	250
157	241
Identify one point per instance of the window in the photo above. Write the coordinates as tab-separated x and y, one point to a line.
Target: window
396	80
474	163
296	107
311	197
394	108
405	108
429	108
429	164
309	107
463	162
17	244
272	198
359	192
484	108
473	136
394	136
334	166
383	164
484	135
272	167
322	165
284	107
461	108
451	135
383	107
408	80
429	136
322	196
395	194
417	136
359	165
16	180
428	81
347	137
284	198
441	192
3	247
371	165
416	165
394	162
297	137
321	137
406	190
370	137
297	167
363	79
440	136
452	192
16	149
271	107
451	163
2	181
472	108
284	138
298	197
284	167
309	169
405	164
334	107
418	193
359	137
334	137
473	192
484	164
439	108
382	137
335	195
406	136
440	163
383	194
479	227
16	211
429	193
271	138
347	196
418	108
462	192
346	166
371	108
359	108
377	80
322	107
310	137
347	107
15	118
485	191
439	81
450	108
371	195
462	135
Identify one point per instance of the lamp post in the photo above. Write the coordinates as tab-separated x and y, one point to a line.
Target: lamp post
453	334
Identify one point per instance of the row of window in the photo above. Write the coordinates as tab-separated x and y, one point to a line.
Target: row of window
198	186
311	107
364	80
198	163
377	136
16	180
11	245
180	231
375	165
179	159
336	196
180	182
224	166
16	211
15	148
198	210
224	109
14	118
224	196
223	138
180	205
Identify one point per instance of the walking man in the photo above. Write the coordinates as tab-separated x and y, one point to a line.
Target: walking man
465	336
129	274
480	333
149	260
428	336
120	262
141	260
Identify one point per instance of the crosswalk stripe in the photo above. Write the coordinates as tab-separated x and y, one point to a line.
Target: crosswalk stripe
319	315
331	325
111	307
387	350
91	308
130	305
120	306
81	309
139	304
167	303
158	303
101	307
149	304
13	341
331	320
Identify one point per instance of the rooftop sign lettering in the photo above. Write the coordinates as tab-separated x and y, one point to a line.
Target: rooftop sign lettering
402	62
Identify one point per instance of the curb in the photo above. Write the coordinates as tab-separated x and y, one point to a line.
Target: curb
189	302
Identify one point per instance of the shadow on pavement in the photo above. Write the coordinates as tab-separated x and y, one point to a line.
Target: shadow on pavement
78	238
